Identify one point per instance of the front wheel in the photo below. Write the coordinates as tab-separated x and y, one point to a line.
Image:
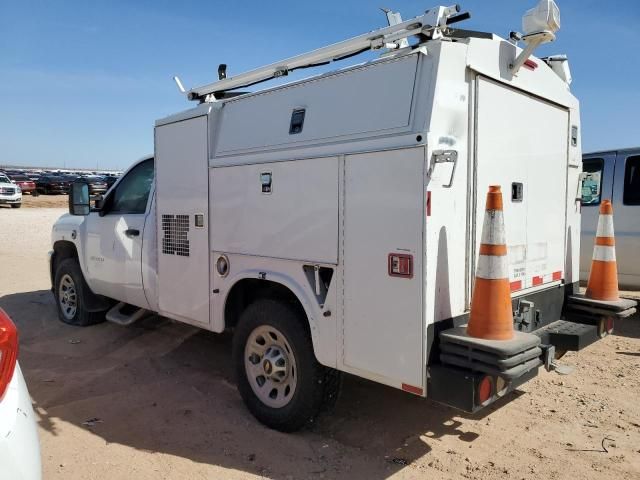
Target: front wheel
278	376
71	292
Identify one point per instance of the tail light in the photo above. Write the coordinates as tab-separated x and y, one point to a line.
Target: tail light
8	351
485	389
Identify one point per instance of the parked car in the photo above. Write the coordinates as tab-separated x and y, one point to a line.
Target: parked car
19	446
111	179
53	184
25	183
10	193
97	185
613	174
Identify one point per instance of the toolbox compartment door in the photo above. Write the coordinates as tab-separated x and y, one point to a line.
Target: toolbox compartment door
384	215
182	193
522	145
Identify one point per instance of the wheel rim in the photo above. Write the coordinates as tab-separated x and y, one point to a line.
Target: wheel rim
270	366
67	296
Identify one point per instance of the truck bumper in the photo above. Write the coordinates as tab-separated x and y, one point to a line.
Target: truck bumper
470	374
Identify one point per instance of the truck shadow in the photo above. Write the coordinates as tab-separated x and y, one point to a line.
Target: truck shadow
166	387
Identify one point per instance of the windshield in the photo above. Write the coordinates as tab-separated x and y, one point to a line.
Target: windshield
4	179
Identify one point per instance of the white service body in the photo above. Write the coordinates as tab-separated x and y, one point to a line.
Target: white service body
365	178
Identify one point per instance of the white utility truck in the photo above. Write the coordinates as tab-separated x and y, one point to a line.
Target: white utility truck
333	223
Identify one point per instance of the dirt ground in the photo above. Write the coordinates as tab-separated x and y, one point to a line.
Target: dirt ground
163	404
45	201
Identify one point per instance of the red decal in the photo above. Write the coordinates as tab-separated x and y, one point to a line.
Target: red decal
517	285
557	275
411	389
537	281
400	265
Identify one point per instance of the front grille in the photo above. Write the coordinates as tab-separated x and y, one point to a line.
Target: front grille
175	240
7	190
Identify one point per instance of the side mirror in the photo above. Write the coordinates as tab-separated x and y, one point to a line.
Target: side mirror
79	199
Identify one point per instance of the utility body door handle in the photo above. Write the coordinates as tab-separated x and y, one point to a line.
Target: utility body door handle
132	232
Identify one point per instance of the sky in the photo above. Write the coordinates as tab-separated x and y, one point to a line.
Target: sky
82	82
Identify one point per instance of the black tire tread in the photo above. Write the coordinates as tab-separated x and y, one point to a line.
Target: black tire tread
83	318
318	385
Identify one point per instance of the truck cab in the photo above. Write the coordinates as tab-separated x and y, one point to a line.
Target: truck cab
111	245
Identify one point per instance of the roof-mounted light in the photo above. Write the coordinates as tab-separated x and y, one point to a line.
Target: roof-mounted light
539	25
544	17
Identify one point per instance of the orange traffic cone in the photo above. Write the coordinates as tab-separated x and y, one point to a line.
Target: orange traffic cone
491	317
603	278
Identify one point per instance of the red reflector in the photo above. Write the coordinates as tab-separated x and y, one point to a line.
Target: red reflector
557	276
530	64
485	389
400	265
428	203
537	281
411	389
8	350
517	285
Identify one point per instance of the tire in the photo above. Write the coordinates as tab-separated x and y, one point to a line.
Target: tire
72	307
35	193
16	205
286	361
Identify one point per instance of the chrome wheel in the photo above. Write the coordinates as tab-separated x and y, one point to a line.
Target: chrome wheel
68	296
270	366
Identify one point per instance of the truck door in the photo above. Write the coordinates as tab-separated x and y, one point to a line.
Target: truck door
114	239
597	186
626	211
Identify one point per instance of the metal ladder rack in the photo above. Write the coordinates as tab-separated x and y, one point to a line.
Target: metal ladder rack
392	37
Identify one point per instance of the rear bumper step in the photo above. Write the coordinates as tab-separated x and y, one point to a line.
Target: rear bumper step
566	335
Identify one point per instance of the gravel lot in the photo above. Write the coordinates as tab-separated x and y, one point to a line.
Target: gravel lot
166	406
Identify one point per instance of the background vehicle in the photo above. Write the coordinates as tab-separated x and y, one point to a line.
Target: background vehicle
97	184
10	193
53	184
25	183
336	229
613	174
111	179
19	446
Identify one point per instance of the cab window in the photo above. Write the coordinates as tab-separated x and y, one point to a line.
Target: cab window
592	181
132	193
631	192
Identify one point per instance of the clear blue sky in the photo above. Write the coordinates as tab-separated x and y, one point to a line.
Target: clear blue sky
82	82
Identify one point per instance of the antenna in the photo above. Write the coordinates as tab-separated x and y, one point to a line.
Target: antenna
179	84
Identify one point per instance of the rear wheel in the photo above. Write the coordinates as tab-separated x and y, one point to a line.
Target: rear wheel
277	373
71	291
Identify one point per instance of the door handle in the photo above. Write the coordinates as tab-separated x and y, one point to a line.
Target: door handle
132	232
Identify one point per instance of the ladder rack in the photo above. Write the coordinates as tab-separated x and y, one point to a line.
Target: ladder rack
429	24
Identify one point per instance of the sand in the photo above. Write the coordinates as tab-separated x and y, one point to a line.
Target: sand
164	406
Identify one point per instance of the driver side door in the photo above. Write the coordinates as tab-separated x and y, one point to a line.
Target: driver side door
115	237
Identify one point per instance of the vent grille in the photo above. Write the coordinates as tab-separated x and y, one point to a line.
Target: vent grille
7	190
175	240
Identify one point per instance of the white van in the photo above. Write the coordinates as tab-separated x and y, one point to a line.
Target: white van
613	174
